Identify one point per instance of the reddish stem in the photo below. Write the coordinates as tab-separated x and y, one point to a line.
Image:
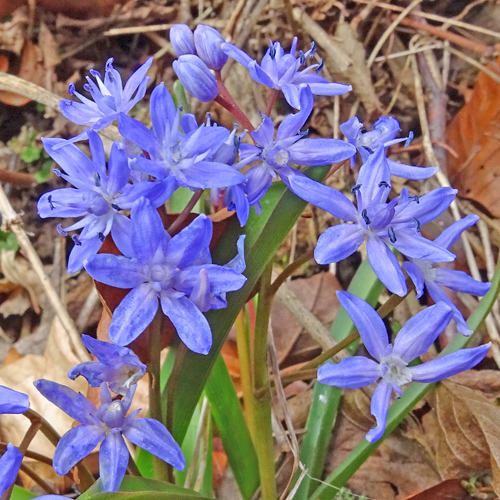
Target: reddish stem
271	100
177	224
226	101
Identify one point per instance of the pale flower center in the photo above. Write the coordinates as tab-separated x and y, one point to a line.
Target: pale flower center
397	372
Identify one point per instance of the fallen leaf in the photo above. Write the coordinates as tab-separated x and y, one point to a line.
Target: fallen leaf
318	296
474	137
451	489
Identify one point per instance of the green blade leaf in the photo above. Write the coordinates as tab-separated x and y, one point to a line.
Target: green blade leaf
134	487
326	399
19	493
228	417
402	407
280	210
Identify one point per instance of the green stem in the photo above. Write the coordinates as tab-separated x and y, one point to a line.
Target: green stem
154	367
244	357
264	437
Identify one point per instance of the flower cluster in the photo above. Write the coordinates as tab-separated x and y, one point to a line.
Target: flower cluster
166	269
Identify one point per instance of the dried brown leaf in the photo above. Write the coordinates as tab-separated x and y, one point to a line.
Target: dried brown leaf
318	296
475	138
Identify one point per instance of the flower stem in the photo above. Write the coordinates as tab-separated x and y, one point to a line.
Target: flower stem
177	224
226	101
263	439
289	270
154	367
244	356
271	100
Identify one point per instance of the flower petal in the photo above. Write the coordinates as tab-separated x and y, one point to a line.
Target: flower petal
451	234
147	230
381	400
153	437
450	364
9	467
12	401
386	266
372	173
410	171
136	132
75	404
324	197
413	245
417	276
115	270
337	243
191	325
75	445
320	151
113	461
133	315
439	295
292	124
80	253
369	324
210	174
162	110
420	331
64	202
460	282
350	373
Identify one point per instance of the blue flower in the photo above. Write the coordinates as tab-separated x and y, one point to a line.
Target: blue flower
383	133
108	97
10	462
423	273
196	78
11	402
390	363
185	157
281	71
396	223
98	196
205	43
107	424
118	366
156	266
289	146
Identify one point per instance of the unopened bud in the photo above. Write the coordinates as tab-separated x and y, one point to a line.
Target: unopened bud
208	43
182	40
196	77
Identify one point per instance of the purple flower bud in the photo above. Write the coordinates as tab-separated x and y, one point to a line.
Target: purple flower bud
208	43
182	40
196	77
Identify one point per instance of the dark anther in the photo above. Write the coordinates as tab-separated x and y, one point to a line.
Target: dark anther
365	217
414	198
87	87
320	67
410	138
116	207
68	102
101	237
97	179
384	184
51	205
61	231
57	172
392	235
302	57
417	222
71	88
181	109
272	51
95	73
76	241
355	188
313	49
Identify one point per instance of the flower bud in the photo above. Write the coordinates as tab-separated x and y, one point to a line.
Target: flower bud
196	77
208	43
182	39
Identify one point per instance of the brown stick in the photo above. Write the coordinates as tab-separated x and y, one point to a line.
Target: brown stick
472	45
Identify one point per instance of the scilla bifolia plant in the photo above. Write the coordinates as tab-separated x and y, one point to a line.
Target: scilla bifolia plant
184	285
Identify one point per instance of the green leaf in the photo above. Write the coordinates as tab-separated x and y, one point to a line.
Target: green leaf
234	433
43	175
179	97
280	210
8	241
135	487
402	407
31	154
326	399
21	494
180	199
